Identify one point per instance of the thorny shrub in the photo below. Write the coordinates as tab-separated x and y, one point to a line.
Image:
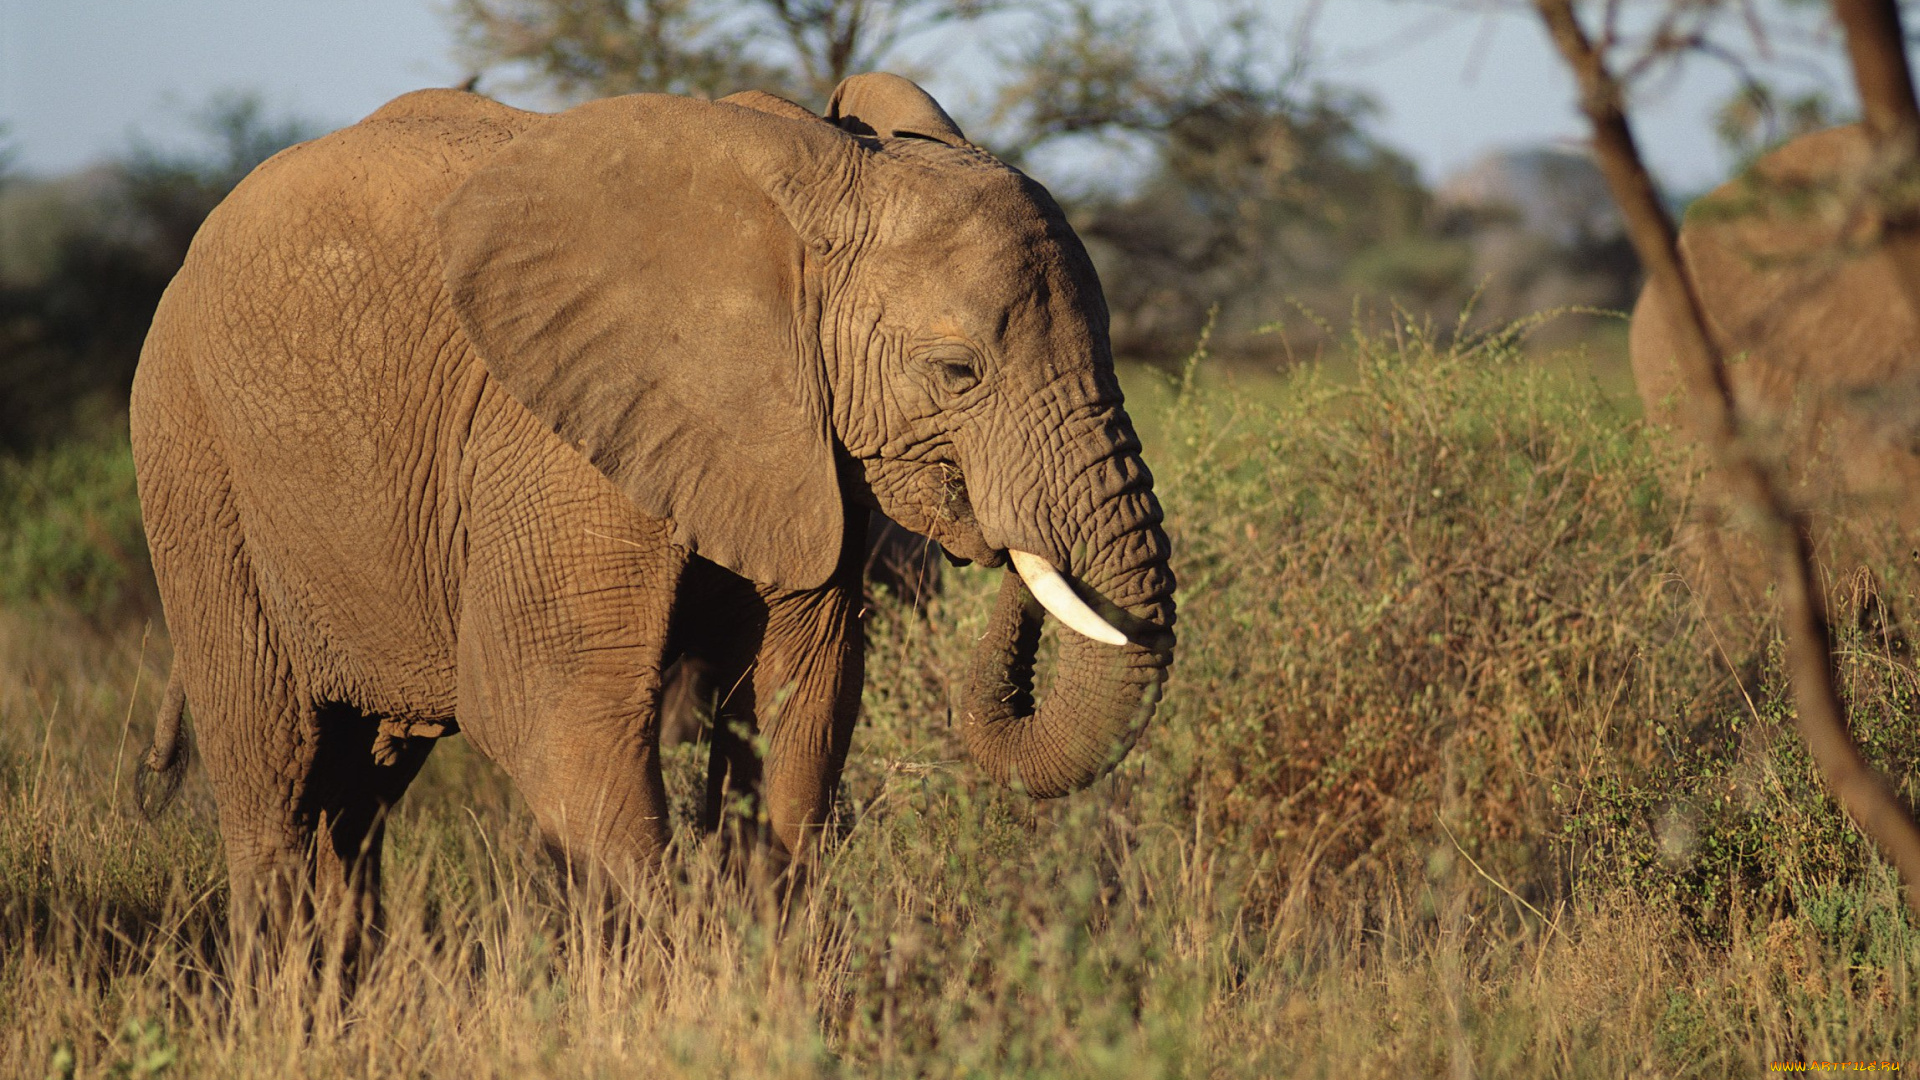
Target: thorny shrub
1410	596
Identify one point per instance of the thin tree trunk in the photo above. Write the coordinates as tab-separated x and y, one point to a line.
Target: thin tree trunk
1709	408
1876	47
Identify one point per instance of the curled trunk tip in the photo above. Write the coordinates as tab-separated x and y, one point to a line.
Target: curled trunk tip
1101	698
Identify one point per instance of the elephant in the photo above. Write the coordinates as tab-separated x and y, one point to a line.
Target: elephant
1822	342
468	418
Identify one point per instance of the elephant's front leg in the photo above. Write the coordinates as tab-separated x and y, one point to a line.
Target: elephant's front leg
564	615
807	692
783	672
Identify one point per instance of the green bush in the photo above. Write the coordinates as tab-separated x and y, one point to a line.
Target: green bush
1733	815
72	535
1410	597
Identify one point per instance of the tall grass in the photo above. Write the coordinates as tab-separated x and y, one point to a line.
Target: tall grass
1451	776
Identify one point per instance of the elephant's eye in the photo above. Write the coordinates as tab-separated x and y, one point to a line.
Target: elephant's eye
955	368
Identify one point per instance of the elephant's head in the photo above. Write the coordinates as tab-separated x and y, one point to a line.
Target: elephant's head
744	314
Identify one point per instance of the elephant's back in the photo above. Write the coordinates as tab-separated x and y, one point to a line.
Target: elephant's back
322	262
1805	303
1790	274
357	198
310	314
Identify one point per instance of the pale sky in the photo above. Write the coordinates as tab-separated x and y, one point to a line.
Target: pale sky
79	77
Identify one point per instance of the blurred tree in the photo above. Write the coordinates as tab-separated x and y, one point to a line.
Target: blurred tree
1758	117
832	39
1265	191
84	259
704	48
598	48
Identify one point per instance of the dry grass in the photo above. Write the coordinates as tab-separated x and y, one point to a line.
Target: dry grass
1450	779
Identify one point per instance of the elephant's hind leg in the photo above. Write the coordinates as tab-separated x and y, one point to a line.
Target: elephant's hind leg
253	749
303	809
300	797
257	737
302	800
253	724
351	790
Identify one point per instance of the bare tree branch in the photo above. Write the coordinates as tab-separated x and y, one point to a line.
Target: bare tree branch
1876	45
1818	710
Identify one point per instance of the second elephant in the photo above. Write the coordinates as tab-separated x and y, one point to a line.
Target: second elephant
1821	337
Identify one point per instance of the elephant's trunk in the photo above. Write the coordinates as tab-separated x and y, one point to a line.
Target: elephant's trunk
1100	699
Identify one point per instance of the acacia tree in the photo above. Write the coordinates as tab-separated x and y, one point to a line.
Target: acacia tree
832	39
1266	188
1876	49
597	48
702	48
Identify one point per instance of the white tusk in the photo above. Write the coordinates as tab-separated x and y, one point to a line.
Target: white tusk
1058	597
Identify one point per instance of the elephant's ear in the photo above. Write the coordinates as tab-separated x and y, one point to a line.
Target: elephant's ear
627	271
891	107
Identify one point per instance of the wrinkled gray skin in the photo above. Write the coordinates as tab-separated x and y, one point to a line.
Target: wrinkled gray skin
471	416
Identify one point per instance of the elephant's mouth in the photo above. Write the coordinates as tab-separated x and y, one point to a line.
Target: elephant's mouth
953	523
960	534
947	516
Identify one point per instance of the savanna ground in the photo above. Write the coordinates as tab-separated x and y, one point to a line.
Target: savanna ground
1453	775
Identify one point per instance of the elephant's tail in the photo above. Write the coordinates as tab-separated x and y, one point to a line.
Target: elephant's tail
158	778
